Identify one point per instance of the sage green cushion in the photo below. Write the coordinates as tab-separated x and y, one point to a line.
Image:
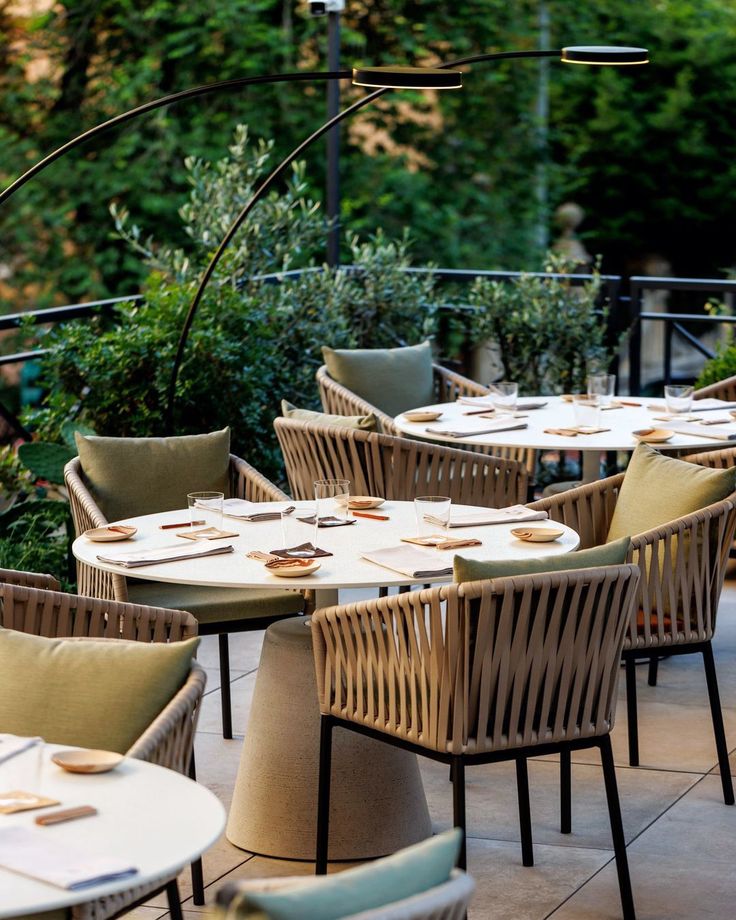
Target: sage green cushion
657	489
376	884
132	476
392	379
608	554
364	422
216	605
94	693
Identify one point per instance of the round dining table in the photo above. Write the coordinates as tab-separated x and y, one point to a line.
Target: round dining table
378	803
460	424
148	817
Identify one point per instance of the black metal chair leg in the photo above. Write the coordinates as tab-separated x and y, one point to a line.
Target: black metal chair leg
227	712
172	896
718	729
525	813
323	794
631	712
196	867
458	807
653	669
617	829
383	592
565	791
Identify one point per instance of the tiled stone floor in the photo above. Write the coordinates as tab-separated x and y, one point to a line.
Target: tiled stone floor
681	837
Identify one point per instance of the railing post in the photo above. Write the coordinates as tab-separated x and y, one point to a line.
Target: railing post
635	340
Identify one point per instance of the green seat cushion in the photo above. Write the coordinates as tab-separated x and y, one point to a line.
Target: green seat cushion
95	693
382	882
392	379
657	489
364	422
215	605
608	554
132	476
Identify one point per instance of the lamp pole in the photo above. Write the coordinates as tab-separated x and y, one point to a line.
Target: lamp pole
333	137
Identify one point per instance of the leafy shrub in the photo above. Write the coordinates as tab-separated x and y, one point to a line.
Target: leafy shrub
548	333
720	367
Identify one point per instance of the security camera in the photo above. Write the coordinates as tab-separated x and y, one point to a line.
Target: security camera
322	7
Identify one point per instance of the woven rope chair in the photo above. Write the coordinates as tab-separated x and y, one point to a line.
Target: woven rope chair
245	482
168	740
339	400
479	673
721	389
682	565
395	468
445	902
29	580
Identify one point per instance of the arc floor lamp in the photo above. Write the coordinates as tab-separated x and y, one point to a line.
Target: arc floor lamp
379	79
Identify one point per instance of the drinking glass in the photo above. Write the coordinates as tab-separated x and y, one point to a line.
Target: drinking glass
587	409
679	399
206	507
332	497
504	395
436	507
603	385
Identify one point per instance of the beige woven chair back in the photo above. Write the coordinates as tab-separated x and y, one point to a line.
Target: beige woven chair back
480	667
52	614
394	468
682	562
29	579
722	389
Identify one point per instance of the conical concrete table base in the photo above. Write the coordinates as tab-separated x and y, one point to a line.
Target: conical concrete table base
377	803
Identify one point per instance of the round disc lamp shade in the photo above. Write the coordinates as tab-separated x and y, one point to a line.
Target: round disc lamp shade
603	55
407	78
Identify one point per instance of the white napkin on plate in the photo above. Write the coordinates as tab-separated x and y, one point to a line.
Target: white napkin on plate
33	852
253	511
512	515
699	405
165	554
702	431
10	745
479	401
411	561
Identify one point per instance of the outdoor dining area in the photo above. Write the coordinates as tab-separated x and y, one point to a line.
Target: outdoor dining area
418	669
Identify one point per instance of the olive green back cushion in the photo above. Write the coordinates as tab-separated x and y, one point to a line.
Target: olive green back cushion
657	489
94	693
376	884
392	379
364	422
132	476
608	554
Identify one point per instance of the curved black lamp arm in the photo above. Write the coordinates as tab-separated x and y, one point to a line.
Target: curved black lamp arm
265	186
203	90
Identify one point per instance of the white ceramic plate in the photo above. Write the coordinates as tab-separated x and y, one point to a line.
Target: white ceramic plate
653	435
106	535
84	761
295	570
422	416
537	534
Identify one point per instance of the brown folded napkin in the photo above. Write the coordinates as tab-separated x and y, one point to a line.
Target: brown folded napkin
327	520
314	552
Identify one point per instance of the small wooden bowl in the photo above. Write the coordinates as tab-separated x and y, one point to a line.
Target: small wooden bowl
427	416
107	535
537	534
364	502
653	435
84	761
297	568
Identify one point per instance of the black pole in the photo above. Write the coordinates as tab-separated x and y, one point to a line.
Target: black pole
333	142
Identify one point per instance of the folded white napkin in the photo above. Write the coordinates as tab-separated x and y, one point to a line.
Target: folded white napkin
253	511
512	515
165	554
36	853
10	745
699	405
504	423
411	561
702	431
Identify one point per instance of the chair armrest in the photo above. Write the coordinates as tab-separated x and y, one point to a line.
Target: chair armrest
339	400
722	459
246	482
450	385
168	739
587	509
721	389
